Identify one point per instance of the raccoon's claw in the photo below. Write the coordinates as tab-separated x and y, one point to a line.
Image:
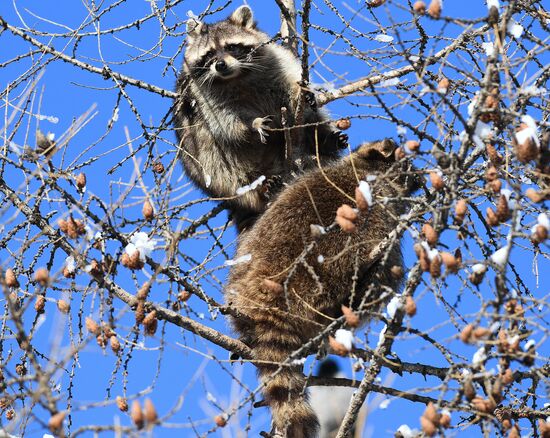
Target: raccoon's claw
311	100
271	186
342	140
261	124
309	95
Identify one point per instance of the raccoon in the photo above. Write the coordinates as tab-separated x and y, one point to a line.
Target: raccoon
296	282
232	88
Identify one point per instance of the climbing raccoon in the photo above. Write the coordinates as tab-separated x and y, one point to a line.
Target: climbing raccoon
296	281
228	118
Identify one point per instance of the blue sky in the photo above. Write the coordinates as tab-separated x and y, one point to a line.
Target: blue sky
184	368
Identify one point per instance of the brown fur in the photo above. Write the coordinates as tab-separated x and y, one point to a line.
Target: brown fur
280	323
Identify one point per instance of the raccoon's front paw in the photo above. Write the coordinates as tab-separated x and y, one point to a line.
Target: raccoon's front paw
261	124
342	139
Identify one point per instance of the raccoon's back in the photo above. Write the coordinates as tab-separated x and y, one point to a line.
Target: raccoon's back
323	278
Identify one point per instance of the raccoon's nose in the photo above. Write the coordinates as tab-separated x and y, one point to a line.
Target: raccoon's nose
221	66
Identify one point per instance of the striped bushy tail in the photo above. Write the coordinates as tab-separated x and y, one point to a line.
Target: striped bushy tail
284	388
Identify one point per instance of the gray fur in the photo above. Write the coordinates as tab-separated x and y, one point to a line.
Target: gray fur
217	115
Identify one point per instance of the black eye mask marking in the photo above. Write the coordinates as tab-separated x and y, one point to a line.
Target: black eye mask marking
238	50
201	66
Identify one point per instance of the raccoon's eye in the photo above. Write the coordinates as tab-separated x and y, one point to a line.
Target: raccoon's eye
234	47
209	55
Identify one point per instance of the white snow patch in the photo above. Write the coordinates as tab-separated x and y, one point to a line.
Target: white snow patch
390	82
483	130
431	253
242	259
394	305
51	119
401	130
517	224
532	90
14	147
98	239
512	339
382	38
489	48
365	190
407	432
500	256
89	233
494	327
253	185
479	357
320	259
344	337
491	3
530	343
544	221
142	243
115	115
382	336
514	28
472	105
531	131
508	195
70	264
479	268
385	403
299	361
317	228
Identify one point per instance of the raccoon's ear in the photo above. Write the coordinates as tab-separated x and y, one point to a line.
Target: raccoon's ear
194	27
243	17
378	150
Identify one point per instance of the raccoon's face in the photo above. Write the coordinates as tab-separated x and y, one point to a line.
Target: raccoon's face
224	50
